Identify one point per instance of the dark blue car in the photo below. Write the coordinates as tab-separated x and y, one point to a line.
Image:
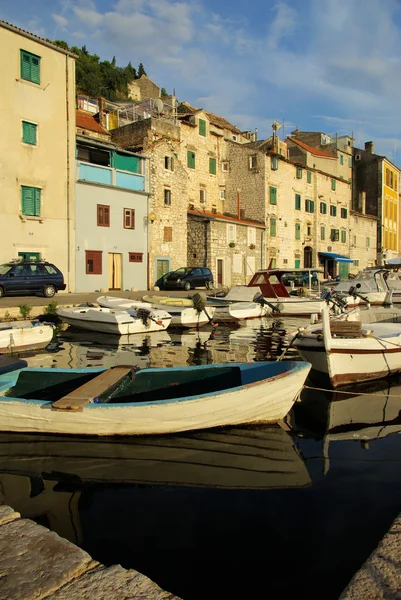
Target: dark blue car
27	278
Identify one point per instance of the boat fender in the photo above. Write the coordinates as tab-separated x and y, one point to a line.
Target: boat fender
199	301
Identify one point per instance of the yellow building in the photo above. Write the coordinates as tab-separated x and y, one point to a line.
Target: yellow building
390	183
37	150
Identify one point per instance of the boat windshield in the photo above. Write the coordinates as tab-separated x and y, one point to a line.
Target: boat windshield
4	269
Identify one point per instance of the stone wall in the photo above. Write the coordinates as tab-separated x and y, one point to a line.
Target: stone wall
363	239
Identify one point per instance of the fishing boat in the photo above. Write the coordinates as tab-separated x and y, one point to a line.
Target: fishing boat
18	336
118	322
182	311
259	457
116	401
369	286
350	351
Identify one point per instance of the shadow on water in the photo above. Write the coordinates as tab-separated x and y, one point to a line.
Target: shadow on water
282	511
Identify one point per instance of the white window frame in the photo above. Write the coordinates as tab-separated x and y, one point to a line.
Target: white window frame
253	161
202	195
251	236
231	232
222	195
167	197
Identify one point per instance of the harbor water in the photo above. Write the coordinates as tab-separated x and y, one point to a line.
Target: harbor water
291	510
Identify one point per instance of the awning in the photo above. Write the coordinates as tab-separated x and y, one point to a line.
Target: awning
336	257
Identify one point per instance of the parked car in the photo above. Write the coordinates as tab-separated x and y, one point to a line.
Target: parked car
186	278
299	279
28	277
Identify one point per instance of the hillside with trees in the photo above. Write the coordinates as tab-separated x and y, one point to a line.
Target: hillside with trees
101	78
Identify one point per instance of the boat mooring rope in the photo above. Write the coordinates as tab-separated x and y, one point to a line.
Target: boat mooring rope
332	391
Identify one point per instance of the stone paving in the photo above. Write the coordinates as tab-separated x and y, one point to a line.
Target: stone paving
36	563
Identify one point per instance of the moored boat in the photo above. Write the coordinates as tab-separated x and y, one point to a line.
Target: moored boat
119	322
111	402
349	351
18	336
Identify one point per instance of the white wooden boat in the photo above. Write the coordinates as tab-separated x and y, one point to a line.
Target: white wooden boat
119	322
109	402
181	310
370	285
260	457
351	352
18	336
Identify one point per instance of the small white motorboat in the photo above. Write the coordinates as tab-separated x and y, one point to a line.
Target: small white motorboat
349	351
118	401
24	336
368	286
181	310
119	322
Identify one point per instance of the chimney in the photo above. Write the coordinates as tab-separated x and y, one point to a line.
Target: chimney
370	147
362	202
102	113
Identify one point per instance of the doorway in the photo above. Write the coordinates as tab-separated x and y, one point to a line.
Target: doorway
220	271
115	271
307	257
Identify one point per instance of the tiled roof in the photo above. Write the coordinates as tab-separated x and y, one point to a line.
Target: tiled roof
86	121
28	34
186	109
311	149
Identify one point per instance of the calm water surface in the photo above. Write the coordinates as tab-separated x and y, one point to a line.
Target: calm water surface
269	511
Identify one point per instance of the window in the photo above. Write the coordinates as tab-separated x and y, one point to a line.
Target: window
333	184
273	195
297	263
224	166
222	194
202	127
251	236
273	228
202	195
344	213
129	218
334	235
169	163
297	201
135	257
309	206
231	233
356	263
343	236
253	163
30	201
297	231
212	166
168	234
93	262
191	159
322	233
333	210
167	197
341	159
309	176
103	215
299	172
274	163
323	208
29	133
350	166
309	230
368	242
30	67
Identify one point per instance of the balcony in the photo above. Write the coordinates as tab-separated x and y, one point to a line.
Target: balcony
111	177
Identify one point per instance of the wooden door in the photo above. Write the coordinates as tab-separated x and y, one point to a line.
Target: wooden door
115	271
219	271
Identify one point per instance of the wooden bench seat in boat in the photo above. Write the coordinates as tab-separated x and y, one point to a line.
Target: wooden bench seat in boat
346	328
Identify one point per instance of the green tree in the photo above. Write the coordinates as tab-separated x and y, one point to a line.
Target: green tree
141	70
62	44
163	92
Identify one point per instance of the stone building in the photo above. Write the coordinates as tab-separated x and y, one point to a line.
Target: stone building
376	189
37	150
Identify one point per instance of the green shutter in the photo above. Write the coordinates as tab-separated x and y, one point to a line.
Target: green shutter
30	201
35	69
309	177
299	173
297	263
191	159
212	166
29	133
30	67
343	236
333	184
125	162
297	231
273	227
273	195
202	127
312	206
297	202
322	233
25	66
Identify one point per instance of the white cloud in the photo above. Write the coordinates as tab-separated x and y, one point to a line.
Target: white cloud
282	25
60	21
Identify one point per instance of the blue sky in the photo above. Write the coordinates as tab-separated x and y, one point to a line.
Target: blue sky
320	65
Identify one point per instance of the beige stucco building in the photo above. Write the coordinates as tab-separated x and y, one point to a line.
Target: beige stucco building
37	150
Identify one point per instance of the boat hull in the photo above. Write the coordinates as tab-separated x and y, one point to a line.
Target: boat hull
14	338
261	401
296	307
105	320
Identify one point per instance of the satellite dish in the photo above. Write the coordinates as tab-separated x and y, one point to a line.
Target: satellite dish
276	126
159	105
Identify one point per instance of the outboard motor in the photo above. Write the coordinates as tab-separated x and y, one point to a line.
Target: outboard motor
199	301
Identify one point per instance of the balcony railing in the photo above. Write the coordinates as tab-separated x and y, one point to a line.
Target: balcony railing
109	176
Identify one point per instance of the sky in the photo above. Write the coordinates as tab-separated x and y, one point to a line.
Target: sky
317	65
